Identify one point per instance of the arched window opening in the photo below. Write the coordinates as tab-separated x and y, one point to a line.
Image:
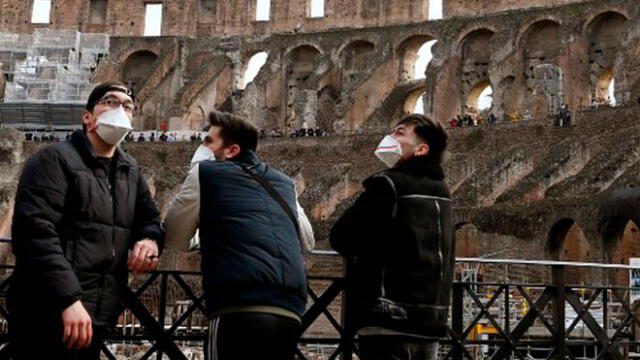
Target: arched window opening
605	35
254	65
414	104
542	47
303	63
416	56
485	99
355	61
137	68
425	55
605	89
480	97
626	249
567	242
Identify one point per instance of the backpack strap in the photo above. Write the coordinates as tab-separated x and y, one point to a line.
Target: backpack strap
274	193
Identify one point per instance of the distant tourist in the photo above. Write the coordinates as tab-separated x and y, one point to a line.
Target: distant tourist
491	119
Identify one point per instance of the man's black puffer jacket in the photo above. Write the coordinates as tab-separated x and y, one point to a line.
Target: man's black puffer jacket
72	232
400	239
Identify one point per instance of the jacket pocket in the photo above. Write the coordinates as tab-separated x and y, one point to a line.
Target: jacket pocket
92	249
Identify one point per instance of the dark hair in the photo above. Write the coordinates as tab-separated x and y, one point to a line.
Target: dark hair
235	130
98	92
431	132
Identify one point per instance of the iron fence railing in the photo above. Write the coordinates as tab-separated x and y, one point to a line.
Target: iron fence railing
498	320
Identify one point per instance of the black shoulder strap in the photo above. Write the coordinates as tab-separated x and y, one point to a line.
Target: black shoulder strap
265	183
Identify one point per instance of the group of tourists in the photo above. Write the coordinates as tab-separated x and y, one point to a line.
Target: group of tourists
84	217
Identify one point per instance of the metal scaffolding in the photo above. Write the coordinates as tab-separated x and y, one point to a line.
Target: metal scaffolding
50	66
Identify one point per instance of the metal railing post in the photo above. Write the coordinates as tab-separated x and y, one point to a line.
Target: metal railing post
162	306
457	304
558	276
605	311
348	337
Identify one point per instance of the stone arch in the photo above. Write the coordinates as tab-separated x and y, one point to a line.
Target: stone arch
475	53
541	48
604	35
541	41
601	17
354	60
196	118
303	63
298	47
249	62
504	97
622	241
475	46
470	33
472	101
602	85
408	51
467	240
137	67
525	30
567	242
412	101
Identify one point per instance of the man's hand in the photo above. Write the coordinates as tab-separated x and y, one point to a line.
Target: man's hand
144	256
77	326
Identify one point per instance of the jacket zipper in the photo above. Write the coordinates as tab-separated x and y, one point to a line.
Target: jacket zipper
113	250
113	219
440	241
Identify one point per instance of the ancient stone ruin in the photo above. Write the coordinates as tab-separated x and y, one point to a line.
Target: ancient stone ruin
523	190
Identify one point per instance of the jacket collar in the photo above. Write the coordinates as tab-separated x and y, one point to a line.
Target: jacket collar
248	157
81	142
421	166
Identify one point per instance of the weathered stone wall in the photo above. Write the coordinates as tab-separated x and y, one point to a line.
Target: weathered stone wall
358	79
529	190
476	8
11	158
198	17
355	75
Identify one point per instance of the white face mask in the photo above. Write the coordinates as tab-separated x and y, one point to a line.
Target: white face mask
389	151
202	153
113	125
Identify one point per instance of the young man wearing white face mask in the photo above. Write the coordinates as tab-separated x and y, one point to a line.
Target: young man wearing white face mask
251	231
83	216
399	240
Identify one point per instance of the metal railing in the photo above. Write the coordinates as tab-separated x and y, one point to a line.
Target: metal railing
495	321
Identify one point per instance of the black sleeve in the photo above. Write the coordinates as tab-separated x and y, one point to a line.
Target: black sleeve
365	223
39	208
147	216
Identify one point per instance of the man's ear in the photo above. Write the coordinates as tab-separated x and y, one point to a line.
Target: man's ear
423	149
87	118
234	150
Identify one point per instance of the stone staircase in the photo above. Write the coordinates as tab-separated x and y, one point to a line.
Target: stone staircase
188	93
169	59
